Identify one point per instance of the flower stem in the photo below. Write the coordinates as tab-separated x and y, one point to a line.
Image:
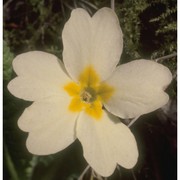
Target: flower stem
133	121
133	174
166	57
83	173
95	175
10	164
113	4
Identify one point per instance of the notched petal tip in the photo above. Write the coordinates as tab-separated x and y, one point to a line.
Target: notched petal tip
140	86
162	72
23	121
132	160
106	143
12	88
85	41
108	11
79	10
169	77
9	87
36	151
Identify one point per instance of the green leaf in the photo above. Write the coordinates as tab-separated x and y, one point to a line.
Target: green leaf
7	62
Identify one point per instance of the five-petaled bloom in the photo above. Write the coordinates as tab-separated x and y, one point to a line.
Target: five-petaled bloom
83	97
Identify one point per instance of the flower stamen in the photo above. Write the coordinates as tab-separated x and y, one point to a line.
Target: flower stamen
88	95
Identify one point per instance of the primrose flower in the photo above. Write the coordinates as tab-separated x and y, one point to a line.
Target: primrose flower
82	97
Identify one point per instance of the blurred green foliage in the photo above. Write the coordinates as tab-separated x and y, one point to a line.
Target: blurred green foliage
7	63
150	31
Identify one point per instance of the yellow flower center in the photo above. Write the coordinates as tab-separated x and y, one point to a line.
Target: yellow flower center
89	93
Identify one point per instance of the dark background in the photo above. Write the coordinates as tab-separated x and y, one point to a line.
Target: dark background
150	31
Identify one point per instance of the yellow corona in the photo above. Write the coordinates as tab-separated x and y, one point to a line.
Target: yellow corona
89	93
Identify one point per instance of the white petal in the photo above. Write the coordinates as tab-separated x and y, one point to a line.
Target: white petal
106	142
39	75
139	88
93	41
50	125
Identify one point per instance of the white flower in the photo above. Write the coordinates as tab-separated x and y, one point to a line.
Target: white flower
75	101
